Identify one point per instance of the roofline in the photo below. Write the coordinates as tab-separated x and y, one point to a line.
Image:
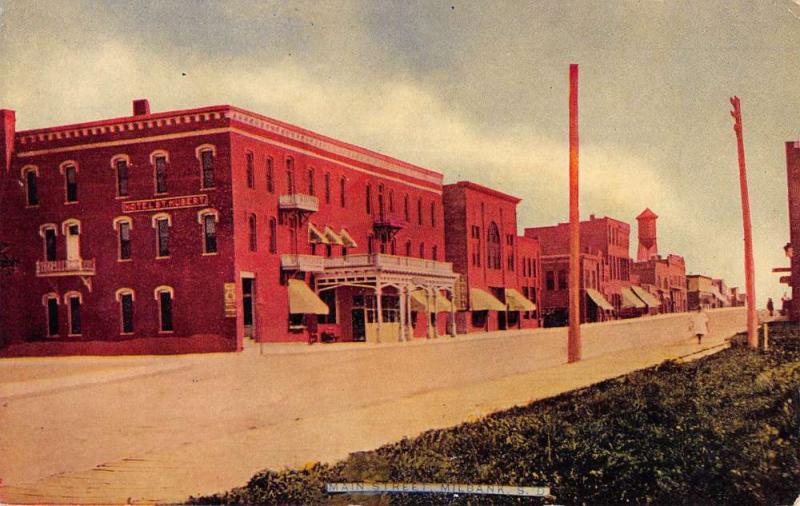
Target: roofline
483	189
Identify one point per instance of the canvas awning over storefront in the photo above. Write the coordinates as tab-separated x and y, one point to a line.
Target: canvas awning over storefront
315	236
419	302
647	297
303	300
480	300
332	236
630	300
719	295
598	299
517	302
347	239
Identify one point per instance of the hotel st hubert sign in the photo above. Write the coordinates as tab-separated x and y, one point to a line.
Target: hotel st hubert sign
163	204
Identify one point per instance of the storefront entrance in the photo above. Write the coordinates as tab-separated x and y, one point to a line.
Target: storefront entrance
248	297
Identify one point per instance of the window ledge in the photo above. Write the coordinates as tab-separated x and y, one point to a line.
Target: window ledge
31	206
127	333
163	258
211	254
124	259
74	335
122	197
161	194
166	332
70	202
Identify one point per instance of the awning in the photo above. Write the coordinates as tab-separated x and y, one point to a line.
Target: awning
598	299
332	236
719	295
315	236
303	300
517	302
630	300
347	239
419	302
480	300
647	297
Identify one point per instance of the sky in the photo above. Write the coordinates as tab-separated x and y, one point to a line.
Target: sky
475	90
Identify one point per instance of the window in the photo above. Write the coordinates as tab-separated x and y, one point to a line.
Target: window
161	174
422	250
370	246
393	247
48	233
207	165
250	170
550	281
419	211
408	248
253	237
435	253
406	212
208	219
342	185
270	175
50	303
381	205
310	177
125	298
162	222
391	201
31	175
120	164
290	176
433	214
562	280
73	300
511	261
327	188
124	232
493	246
164	296
329	298
369	199
71	176
273	237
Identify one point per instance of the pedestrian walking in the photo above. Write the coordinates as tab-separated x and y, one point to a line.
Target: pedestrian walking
770	307
698	324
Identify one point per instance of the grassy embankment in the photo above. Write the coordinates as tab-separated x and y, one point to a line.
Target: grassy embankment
724	429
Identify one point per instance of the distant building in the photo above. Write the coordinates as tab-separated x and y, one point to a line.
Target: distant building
704	292
793	248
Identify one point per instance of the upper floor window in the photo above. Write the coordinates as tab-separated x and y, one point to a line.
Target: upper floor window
70	171
208	219
162	222
408	248
310	177
161	173
562	280
369	199
406	213
48	232
250	170
422	250
273	235
205	153
493	246
31	175
419	211
435	253
290	176
252	236
433	214
270	175
327	187
391	201
550	280
120	164
123	225
342	193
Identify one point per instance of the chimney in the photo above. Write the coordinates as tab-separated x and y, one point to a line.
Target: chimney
591	217
8	123
141	107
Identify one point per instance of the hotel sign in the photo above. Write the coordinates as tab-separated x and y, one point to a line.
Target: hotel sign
163	204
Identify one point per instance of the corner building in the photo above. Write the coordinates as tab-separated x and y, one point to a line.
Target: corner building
194	230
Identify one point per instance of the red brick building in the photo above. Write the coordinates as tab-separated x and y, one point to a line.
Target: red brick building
499	271
192	230
793	248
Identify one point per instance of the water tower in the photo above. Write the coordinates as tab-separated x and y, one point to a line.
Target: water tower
648	247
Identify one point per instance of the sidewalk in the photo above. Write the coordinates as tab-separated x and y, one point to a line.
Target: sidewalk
357	420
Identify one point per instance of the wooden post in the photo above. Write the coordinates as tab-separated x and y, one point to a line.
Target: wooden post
749	264
574	339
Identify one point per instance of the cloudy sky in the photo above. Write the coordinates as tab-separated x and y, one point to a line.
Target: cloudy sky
476	90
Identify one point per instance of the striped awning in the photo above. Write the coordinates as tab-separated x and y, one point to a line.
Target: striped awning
303	300
419	302
315	236
517	302
598	299
347	239
480	300
630	300
332	236
646	297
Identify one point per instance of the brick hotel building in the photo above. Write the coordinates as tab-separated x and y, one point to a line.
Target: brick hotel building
192	230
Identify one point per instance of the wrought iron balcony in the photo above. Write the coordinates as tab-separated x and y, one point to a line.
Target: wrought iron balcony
389	221
304	263
298	202
79	267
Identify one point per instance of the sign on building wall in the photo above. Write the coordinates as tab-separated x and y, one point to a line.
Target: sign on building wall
230	300
137	206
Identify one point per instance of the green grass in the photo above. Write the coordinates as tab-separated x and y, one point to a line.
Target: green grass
724	429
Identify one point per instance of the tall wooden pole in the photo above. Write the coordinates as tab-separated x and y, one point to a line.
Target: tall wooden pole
574	339
749	264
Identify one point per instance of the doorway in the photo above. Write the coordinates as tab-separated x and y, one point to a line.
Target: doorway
248	296
73	242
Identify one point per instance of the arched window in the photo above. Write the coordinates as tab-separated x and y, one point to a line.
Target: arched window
123	226
70	171
120	164
327	187
253	237
369	198
342	194
50	302
125	297
381	204
250	170
74	300
310	177
406	212
49	231
290	176
419	211
159	160
408	248
435	253
493	246
71	228
30	173
422	250
270	175
162	222
273	235
164	295
433	214
208	219
205	154
391	201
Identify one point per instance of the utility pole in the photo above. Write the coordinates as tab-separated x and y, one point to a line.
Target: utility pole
749	264
574	339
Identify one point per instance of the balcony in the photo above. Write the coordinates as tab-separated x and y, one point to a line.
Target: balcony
77	267
304	263
391	263
298	202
